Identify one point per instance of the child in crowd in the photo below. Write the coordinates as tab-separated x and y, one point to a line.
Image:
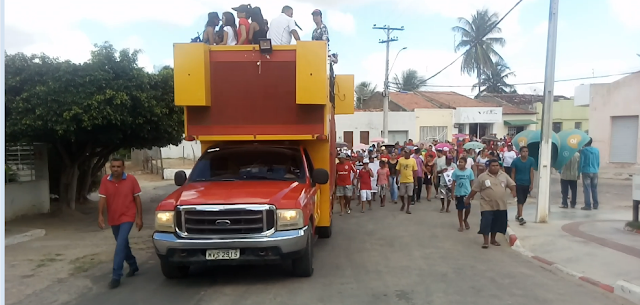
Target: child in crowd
364	181
461	187
383	181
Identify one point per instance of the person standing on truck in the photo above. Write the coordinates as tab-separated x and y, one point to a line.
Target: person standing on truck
364	181
120	193
344	187
320	33
258	27
209	35
408	170
243	23
283	28
230	30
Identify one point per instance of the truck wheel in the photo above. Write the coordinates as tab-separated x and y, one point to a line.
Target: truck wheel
173	271
324	232
303	265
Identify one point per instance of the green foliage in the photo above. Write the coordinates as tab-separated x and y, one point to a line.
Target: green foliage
495	80
410	80
10	175
479	42
89	111
363	91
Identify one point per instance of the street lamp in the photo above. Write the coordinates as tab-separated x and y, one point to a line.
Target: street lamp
385	108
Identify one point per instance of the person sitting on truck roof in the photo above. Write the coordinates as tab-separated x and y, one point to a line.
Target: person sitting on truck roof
283	28
242	11
213	21
230	30
258	27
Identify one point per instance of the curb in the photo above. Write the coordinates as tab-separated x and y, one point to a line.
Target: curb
12	240
621	288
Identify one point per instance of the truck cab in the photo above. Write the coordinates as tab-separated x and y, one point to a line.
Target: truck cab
261	192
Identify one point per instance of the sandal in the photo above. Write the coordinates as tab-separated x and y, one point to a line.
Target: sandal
460	230
466	225
485	246
495	243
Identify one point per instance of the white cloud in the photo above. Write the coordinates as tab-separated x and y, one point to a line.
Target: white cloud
627	12
541	28
52	27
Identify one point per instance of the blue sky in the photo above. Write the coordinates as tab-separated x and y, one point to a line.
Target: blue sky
596	37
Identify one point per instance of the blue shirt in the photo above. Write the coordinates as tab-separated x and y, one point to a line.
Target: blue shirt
463	180
523	170
589	160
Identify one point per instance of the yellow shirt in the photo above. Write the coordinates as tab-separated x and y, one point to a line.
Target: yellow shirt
406	168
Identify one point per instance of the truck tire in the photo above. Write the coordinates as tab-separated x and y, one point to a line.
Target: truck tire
303	265
324	232
173	271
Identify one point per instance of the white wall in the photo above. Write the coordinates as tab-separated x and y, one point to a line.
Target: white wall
372	122
184	150
500	129
582	95
435	117
26	198
465	115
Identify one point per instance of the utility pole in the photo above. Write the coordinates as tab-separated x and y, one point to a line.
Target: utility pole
544	182
385	105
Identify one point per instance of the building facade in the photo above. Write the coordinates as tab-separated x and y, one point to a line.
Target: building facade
566	116
615	109
363	126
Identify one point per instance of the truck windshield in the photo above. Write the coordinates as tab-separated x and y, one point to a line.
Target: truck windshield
249	163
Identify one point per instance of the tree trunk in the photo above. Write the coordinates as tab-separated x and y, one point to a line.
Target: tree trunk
479	73
68	185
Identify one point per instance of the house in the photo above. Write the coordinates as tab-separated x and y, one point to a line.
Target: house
366	124
516	117
565	116
26	181
615	109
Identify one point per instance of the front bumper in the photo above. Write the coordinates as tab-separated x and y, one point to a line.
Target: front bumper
259	250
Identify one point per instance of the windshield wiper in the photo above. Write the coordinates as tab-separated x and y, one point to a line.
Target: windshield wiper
215	179
266	178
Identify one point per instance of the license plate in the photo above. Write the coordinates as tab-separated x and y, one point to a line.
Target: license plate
223	254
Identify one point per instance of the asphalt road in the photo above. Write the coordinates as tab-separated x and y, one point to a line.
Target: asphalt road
380	257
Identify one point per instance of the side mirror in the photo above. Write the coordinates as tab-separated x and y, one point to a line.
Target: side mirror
180	178
320	176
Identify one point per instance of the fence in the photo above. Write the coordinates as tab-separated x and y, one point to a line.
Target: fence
19	163
149	159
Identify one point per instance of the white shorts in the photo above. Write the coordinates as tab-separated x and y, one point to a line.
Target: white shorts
365	195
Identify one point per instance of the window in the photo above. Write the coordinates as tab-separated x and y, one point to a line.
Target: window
19	164
557	127
347	137
250	163
578	125
514	130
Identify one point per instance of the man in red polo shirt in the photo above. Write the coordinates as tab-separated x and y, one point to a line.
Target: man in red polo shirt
121	194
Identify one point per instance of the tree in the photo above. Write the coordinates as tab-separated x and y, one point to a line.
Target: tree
495	80
480	52
364	90
410	81
89	111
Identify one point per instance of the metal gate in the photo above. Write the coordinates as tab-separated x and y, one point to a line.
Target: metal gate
430	132
624	139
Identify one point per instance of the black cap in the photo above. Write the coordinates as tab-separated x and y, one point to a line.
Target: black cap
243	8
214	16
316	12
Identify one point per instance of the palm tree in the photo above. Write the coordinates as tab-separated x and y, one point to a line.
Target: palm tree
495	80
410	80
364	90
480	52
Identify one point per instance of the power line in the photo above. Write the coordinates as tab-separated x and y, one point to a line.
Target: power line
542	82
478	40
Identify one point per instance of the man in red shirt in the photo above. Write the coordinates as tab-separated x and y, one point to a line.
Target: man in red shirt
243	23
120	193
344	188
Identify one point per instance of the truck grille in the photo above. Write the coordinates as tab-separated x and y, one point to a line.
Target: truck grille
226	222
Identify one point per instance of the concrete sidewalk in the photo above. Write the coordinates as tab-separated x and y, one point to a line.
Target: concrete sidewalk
590	245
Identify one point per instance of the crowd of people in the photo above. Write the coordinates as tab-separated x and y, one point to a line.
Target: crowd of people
252	27
456	175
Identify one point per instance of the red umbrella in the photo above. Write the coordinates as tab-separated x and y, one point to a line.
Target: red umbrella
443	145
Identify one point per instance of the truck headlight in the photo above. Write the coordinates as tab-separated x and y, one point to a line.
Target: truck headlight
289	219
165	221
